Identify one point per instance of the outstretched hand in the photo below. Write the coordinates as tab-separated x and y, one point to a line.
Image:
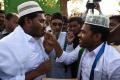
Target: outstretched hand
49	42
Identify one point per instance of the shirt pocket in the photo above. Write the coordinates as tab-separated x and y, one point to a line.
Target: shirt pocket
100	75
97	74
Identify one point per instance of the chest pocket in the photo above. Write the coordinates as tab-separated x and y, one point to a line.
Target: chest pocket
97	74
100	74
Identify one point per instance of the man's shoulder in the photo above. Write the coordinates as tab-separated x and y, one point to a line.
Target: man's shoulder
14	36
111	53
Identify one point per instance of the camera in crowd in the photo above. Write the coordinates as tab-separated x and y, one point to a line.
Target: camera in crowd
92	4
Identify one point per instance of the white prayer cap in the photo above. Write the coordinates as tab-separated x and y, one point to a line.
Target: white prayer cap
99	20
28	7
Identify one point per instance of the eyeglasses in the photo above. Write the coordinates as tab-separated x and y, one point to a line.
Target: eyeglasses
55	24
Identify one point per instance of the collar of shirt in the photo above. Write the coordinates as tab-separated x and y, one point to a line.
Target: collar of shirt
95	51
30	38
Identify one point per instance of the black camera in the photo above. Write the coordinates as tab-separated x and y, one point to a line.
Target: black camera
92	5
96	0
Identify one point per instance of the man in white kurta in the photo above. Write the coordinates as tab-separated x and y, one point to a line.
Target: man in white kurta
21	57
108	65
19	54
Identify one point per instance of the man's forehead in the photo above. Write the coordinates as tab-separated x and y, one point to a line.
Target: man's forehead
41	15
85	26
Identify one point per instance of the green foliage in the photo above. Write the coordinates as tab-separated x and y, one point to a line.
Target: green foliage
49	6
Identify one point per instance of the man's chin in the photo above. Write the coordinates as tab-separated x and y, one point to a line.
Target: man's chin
38	36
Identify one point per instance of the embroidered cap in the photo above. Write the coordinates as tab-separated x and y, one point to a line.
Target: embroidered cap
99	20
28	7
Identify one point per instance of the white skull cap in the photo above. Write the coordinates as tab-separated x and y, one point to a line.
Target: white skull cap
28	7
99	20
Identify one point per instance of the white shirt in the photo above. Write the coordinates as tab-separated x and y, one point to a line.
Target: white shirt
19	53
108	67
69	58
69	47
87	62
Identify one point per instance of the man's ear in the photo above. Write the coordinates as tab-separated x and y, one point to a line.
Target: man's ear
97	37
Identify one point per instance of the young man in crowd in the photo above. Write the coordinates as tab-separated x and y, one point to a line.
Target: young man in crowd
114	38
11	22
58	69
72	41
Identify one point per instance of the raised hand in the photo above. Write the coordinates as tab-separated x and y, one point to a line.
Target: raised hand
50	39
97	7
48	42
70	37
47	46
52	42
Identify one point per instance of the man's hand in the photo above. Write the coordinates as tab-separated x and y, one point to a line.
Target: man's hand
50	40
53	43
41	69
47	46
97	7
70	37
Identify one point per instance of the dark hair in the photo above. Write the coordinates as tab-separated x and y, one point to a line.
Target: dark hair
116	17
31	16
102	30
65	19
2	11
10	15
57	16
77	19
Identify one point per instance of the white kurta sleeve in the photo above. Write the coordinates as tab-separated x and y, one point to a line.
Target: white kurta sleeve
9	67
69	48
69	58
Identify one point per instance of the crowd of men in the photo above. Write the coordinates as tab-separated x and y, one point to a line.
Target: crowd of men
35	45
